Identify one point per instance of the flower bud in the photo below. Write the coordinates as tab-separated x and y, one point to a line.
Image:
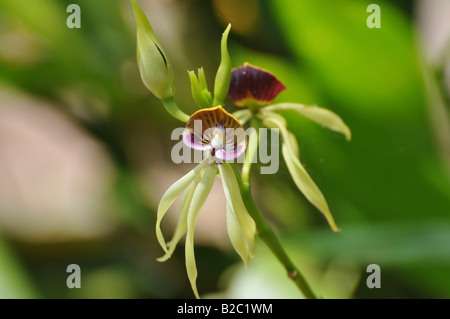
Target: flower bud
156	71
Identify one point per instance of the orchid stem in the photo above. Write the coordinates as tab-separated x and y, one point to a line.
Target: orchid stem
266	233
174	110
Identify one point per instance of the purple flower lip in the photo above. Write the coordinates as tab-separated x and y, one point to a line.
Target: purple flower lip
216	130
253	86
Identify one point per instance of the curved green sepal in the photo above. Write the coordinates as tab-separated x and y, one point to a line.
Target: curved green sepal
181	227
320	115
234	200
242	116
223	76
298	173
237	238
199	198
169	198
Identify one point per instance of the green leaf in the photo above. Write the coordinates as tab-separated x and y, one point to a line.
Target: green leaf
14	281
372	72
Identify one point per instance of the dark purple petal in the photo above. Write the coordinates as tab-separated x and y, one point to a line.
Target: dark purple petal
251	85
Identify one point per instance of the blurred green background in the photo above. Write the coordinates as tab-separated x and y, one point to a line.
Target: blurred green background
85	148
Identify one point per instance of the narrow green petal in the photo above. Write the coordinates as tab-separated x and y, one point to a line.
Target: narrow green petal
197	92
274	120
266	116
170	196
208	97
252	148
234	199
300	176
294	145
181	227
236	235
199	198
317	114
307	186
242	116
223	76
204	86
202	79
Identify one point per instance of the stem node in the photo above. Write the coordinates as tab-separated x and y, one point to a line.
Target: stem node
293	274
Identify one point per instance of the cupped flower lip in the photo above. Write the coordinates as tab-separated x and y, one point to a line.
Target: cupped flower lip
216	130
251	86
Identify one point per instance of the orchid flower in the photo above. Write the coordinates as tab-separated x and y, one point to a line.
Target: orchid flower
221	138
212	130
255	88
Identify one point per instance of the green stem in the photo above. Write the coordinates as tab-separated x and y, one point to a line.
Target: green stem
266	233
174	110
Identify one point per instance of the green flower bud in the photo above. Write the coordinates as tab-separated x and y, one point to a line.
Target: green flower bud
156	71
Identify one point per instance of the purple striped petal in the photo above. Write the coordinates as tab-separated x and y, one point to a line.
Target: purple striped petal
216	130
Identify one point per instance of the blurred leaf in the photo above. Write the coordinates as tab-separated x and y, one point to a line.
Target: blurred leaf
370	78
389	244
335	262
265	277
418	252
375	71
14	282
111	282
91	55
